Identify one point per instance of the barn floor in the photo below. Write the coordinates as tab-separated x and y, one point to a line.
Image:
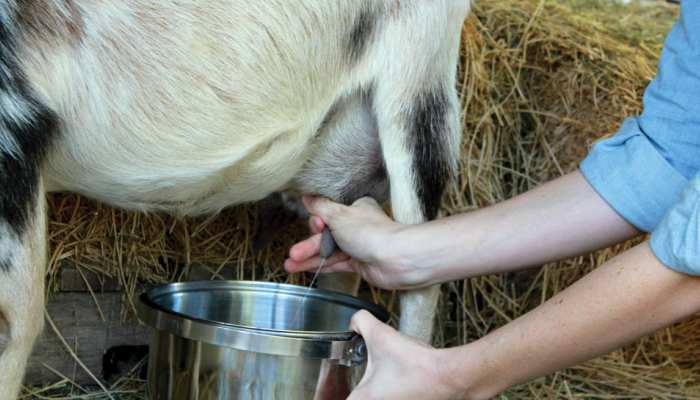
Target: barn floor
540	80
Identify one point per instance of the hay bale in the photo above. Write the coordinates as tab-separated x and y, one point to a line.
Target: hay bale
539	81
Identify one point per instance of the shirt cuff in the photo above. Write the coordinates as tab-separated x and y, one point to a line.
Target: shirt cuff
628	172
676	241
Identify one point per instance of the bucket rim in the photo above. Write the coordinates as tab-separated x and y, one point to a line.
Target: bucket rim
316	344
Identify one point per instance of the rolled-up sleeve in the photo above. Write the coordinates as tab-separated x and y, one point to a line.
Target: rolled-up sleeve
643	170
676	240
628	171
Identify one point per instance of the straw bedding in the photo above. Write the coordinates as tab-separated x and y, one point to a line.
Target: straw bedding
540	81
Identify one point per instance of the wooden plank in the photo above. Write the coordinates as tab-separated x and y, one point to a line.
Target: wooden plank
71	280
77	318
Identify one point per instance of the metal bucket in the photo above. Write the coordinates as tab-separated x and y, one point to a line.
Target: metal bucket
252	340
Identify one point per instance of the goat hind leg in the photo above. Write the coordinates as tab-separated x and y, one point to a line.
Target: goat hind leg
420	157
420	137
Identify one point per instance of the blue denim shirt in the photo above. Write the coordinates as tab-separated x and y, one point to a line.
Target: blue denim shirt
648	171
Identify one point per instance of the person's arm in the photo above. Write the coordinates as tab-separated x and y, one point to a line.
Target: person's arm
627	297
559	219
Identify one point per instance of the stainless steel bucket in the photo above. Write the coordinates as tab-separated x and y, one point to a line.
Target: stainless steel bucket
252	340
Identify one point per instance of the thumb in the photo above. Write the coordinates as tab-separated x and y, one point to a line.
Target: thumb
367	202
322	207
367	326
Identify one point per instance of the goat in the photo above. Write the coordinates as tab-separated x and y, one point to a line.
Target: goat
188	107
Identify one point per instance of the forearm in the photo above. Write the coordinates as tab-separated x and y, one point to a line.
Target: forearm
560	219
626	298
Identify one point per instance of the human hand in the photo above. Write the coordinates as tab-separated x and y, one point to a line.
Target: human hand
369	240
399	367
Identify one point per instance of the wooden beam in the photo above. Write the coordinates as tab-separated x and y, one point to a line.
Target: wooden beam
79	322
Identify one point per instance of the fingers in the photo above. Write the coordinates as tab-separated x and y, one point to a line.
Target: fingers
341	266
339	262
316	224
365	324
325	211
324	208
294	266
306	248
374	331
306	252
366	202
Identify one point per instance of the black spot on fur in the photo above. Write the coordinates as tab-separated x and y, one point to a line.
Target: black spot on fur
5	265
29	138
4	333
361	33
19	174
428	125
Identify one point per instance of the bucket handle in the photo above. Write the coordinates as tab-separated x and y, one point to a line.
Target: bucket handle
355	353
